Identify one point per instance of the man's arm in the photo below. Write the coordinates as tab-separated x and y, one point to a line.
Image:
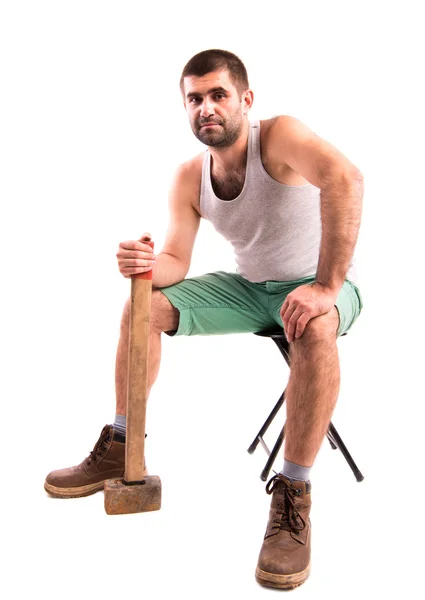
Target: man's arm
290	142
172	263
341	185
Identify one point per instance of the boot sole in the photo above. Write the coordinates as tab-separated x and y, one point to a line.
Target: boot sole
76	492
282	582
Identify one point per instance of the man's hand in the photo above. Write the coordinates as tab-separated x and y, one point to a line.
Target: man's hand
304	303
135	256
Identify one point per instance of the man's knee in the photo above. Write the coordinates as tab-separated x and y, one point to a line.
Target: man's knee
320	329
164	316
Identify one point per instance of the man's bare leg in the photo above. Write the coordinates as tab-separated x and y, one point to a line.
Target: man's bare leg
164	317
107	459
312	392
313	388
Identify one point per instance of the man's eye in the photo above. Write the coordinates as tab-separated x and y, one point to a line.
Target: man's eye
195	100
219	96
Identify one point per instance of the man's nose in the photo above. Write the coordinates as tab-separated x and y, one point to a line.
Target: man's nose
207	108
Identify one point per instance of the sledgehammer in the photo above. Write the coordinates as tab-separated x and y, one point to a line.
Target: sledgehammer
135	492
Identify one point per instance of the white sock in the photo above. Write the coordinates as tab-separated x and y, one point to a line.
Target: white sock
295	472
120	424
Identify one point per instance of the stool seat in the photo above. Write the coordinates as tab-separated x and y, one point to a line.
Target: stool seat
272	333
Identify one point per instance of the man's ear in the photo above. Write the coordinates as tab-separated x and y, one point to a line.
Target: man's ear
248	100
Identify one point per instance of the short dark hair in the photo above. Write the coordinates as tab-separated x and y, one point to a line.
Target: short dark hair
208	61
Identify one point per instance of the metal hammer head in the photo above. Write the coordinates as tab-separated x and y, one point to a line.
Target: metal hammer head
124	498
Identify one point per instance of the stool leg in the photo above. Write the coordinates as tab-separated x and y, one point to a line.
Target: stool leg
332	443
283	345
336	439
332	434
266	425
265	472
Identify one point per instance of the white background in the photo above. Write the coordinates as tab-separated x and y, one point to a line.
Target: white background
92	128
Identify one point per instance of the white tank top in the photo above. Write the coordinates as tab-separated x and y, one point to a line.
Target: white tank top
275	229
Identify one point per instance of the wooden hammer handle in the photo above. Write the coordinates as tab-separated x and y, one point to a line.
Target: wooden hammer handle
140	309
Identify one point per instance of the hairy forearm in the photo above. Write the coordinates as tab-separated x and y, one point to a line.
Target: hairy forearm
341	209
168	270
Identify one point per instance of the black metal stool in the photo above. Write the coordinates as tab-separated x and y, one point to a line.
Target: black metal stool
278	336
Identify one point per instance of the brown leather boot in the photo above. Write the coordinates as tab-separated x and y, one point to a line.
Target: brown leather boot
105	461
284	560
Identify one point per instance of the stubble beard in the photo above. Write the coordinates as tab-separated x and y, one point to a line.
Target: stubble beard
224	135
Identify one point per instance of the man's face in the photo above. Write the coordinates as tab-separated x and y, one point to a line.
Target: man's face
215	108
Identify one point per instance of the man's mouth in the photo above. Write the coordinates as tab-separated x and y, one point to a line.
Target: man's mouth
208	124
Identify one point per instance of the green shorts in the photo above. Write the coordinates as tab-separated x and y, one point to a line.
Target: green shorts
218	303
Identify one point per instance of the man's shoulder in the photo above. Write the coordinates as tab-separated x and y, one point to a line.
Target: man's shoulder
187	181
279	124
191	170
279	135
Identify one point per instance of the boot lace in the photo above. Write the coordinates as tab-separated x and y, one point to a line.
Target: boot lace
287	515
101	445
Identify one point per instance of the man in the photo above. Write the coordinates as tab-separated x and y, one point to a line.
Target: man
290	204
